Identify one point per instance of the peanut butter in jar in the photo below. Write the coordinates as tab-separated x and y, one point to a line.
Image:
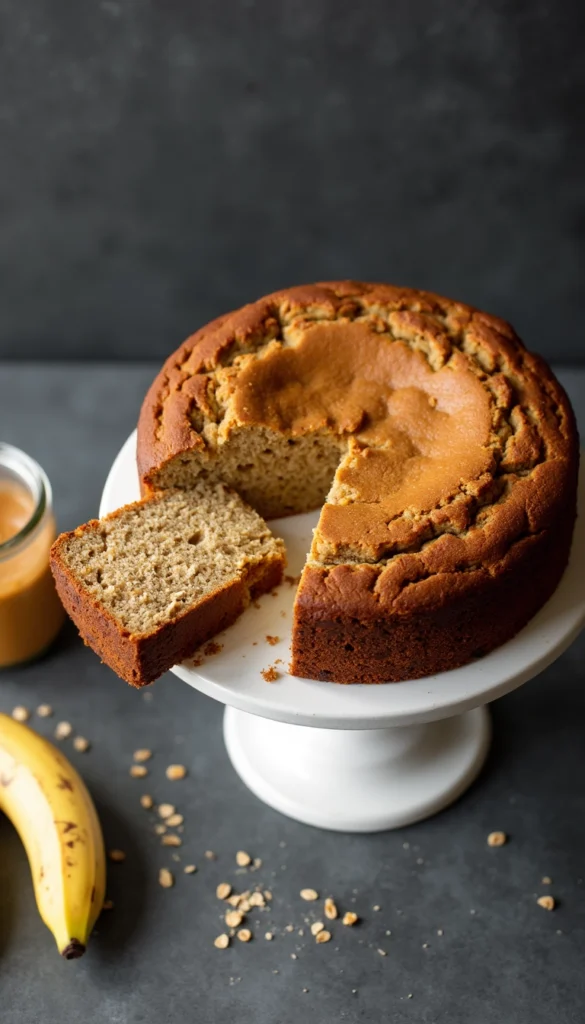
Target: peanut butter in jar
30	611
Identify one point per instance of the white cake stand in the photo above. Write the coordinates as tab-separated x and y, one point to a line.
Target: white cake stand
358	758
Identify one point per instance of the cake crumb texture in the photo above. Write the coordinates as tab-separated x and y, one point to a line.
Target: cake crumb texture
149	583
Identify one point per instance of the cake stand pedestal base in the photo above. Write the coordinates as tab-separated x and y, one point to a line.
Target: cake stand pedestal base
362	780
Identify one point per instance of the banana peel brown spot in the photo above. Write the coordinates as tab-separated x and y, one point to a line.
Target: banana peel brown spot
65	783
5	780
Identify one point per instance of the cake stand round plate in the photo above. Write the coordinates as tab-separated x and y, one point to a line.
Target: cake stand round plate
358	758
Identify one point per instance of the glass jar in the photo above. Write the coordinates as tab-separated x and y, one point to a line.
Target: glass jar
30	611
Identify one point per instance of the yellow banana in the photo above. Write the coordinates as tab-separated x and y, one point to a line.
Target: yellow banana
53	813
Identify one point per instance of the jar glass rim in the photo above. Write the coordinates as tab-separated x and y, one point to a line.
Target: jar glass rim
27	472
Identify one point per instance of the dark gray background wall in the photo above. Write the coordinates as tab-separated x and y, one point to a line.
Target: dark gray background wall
162	161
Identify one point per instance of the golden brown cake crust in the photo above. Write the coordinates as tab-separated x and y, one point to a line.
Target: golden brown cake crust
450	519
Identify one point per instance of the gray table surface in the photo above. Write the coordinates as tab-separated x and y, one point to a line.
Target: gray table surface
501	958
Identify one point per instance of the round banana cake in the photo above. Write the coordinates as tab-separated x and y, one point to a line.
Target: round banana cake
442	454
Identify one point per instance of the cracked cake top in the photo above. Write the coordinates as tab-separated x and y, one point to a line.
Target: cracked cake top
451	441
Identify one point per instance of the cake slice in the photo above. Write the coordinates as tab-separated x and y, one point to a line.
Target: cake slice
149	583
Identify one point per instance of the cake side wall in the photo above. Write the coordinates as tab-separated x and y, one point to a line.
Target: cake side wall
96	627
482	612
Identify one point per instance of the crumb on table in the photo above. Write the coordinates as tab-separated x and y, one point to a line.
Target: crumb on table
272	640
